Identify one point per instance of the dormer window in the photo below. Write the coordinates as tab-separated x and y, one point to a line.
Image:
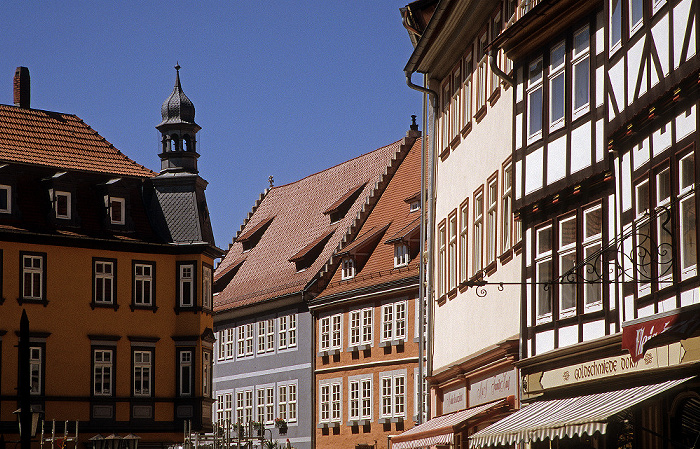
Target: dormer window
401	255
5	199
348	268
116	210
62	205
415	205
253	234
340	207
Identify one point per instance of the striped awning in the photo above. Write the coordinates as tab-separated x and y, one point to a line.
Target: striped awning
440	430
566	417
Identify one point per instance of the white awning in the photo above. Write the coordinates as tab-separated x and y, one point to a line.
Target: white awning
440	430
566	417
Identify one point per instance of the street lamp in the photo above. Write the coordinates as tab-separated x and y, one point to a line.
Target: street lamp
112	441
98	441
36	412
130	441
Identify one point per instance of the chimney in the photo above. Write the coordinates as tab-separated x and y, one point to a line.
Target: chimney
21	87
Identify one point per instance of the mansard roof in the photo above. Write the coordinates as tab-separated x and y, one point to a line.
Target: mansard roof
271	268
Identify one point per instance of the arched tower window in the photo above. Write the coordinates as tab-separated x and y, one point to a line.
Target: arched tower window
175	143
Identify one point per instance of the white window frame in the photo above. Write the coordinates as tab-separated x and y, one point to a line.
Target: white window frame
478	233
228	407
643	227
543	257
592	243
6	191
534	84
360	397
60	195
244	404
580	57
330	400
143	373
614	44
348	268
186	284
265	403
482	75
635	25
104	280
207	294
230	342
686	201
143	283
557	70
507	208
185	367
464	241
287	401
492	221
401	255
393	394
442	259
361	328
207	373
30	274
467	70
452	251
567	251
36	370
394	321
103	369
249	339
455	103
117	218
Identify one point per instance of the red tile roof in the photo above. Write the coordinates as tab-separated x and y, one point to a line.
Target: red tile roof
391	210
299	209
62	141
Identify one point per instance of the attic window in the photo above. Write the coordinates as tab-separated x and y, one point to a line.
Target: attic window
62	204
223	276
401	255
348	268
413	202
308	254
414	206
342	205
116	210
406	243
253	234
5	199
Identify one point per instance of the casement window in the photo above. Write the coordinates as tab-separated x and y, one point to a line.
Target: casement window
207	373
507	208
348	270
287	402
144	280
62	204
664	233
478	234
5	199
228	407
482	73
452	252
442	259
330	398
104	285
543	272
229	342
117	208
592	244
643	234
360	400
265	404
142	369
455	104
636	14
393	400
330	328
567	261
245	339
445	119
102	372
186	283
394	321
464	241
219	408
361	326
36	370
266	336
686	201
401	255
581	72
495	31
33	276
185	372
615	23
492	221
221	345
467	90
534	100
287	331
206	287
557	86
244	405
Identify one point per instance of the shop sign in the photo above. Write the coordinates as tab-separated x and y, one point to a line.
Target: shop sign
454	399
492	388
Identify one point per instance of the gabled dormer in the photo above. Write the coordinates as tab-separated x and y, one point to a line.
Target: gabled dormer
61	191
342	205
305	257
252	236
406	243
117	205
360	249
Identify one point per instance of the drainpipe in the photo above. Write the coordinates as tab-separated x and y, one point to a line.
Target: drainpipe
425	277
493	63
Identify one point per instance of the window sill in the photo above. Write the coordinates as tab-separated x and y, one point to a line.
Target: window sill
22	301
490	268
357	348
495	95
358	422
151	308
467	129
452	294
444	153
455	141
97	305
518	247
480	114
386	343
326	425
442	300
506	256
179	309
328	352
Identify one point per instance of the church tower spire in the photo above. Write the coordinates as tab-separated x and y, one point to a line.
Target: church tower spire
179	132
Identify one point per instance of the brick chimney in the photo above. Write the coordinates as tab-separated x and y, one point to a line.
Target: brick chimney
21	87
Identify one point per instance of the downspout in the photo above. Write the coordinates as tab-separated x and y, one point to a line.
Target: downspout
312	392
493	63
425	277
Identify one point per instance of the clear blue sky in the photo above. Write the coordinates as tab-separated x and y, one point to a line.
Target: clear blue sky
282	88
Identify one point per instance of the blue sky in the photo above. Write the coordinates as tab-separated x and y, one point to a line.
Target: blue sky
281	88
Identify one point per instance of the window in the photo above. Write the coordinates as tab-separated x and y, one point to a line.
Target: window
445	122
393	395
142	372
206	287
287	331
245	339
401	255
62	206
636	12
581	72
361	327
348	268
567	261
266	336
144	280
104	285
287	402
463	240
36	370
643	237
360	401
534	101
228	407
686	200
452	252
5	199
455	106
266	404
495	31
467	90
592	243
481	88
330	401
441	281
186	283
615	23
219	408
228	341
185	373
330	332
557	86
103	365
394	321
33	276
492	221
507	208
478	246
207	374
543	267
116	210
244	405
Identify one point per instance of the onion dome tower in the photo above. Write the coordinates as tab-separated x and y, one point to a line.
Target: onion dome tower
179	132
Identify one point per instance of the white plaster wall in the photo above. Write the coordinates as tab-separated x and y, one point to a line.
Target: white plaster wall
466	323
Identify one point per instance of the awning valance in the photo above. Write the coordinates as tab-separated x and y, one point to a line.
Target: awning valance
566	417
440	430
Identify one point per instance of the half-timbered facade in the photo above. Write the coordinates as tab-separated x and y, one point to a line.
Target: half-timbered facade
605	130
